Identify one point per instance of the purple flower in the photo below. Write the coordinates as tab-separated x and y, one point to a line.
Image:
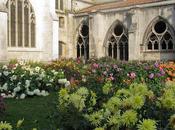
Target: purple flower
158	75
156	64
162	72
151	76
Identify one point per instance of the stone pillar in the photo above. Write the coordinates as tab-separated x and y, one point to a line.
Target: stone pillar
3	36
55	32
55	42
92	46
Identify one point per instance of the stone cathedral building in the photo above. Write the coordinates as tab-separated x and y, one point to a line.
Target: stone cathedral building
122	29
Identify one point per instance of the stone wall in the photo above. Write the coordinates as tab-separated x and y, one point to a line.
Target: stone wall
3	36
136	20
46	34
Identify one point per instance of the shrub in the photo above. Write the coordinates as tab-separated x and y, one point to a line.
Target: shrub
81	108
20	80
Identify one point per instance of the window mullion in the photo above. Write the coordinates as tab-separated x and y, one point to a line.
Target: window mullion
80	50
112	50
118	51
16	22
124	57
23	24
29	26
9	24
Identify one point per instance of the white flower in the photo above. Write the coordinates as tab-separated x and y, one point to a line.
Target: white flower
4	67
22	96
44	93
37	69
51	80
37	92
4	87
48	84
3	94
67	84
10	95
17	89
55	73
30	93
21	62
42	75
14	77
27	83
19	84
62	81
6	73
31	72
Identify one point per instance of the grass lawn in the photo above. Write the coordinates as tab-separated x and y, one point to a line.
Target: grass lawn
35	111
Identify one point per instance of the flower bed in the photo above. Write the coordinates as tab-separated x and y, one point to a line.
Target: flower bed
20	80
115	95
134	107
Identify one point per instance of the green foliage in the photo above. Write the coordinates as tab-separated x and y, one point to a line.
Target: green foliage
5	126
167	99
172	121
119	110
100	128
134	97
147	124
129	118
107	87
71	106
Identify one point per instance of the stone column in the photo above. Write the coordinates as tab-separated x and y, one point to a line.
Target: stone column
92	52
3	32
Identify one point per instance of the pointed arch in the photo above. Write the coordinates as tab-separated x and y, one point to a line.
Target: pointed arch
116	41
159	35
21	24
82	39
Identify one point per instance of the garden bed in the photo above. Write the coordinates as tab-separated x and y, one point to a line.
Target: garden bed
103	94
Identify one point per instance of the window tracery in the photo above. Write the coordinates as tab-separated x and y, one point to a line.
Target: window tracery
83	41
21	24
118	43
160	37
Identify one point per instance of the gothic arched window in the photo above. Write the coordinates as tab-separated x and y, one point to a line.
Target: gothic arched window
118	43
21	24
160	36
83	41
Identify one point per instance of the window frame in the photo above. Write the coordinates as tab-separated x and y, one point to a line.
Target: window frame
159	37
58	6
30	23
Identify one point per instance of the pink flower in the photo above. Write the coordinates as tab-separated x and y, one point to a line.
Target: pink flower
156	64
151	76
115	66
132	75
95	65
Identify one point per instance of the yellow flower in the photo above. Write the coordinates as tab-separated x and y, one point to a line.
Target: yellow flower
19	123
5	126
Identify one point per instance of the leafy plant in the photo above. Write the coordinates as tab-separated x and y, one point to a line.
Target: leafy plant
147	124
